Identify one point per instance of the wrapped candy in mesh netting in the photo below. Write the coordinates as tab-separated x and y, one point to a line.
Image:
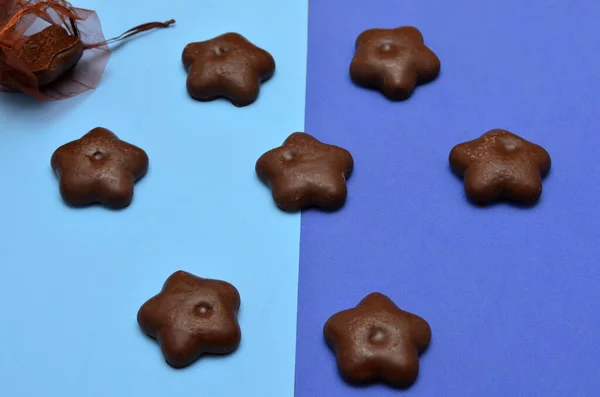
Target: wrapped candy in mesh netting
51	50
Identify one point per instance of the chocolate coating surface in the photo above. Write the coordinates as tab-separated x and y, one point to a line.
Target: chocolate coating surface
192	316
50	53
98	168
227	66
393	61
500	165
305	172
377	341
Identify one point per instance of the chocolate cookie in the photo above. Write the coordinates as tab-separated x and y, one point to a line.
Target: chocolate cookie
99	168
377	341
305	172
192	316
393	61
227	66
50	53
501	165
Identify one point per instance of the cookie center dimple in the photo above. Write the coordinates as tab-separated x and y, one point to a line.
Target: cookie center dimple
220	51
287	155
97	155
385	47
378	336
509	144
203	309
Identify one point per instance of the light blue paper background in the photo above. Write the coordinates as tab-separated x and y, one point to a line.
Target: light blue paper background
71	281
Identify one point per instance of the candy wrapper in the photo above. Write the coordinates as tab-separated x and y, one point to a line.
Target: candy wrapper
51	50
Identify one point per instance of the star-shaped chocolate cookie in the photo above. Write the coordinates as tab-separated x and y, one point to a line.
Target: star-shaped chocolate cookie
377	341
393	61
228	66
500	165
50	53
99	168
192	316
305	172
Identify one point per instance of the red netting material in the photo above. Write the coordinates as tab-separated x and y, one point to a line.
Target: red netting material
21	19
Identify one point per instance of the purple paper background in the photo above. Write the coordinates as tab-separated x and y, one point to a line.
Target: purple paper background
511	294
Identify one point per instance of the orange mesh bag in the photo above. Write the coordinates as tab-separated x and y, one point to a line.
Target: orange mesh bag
51	50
